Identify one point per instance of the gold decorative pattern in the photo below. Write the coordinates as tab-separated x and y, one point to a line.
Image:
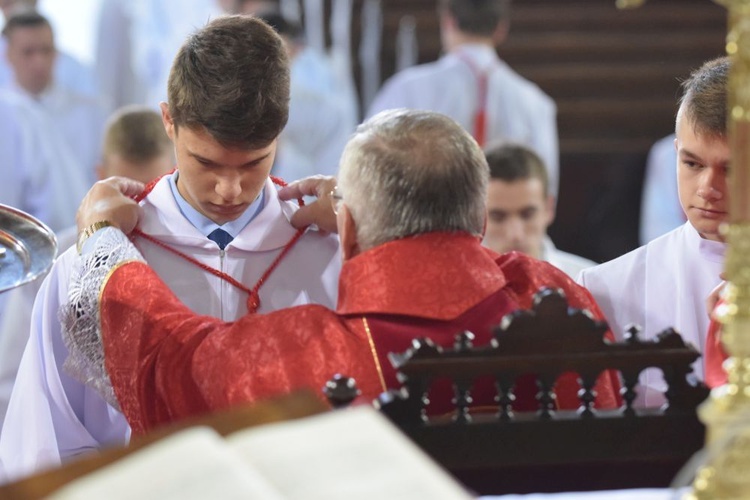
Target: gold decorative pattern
374	353
725	412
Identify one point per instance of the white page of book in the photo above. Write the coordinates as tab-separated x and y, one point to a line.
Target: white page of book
195	464
346	454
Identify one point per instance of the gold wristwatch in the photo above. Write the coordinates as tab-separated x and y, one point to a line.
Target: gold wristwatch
88	231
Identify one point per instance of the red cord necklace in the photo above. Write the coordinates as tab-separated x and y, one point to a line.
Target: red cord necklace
253	299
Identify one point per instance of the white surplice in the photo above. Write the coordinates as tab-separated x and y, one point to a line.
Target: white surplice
15	324
77	119
516	109
660	285
52	416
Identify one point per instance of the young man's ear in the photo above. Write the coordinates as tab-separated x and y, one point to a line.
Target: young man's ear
347	233
166	119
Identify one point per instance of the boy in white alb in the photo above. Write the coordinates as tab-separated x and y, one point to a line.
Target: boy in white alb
472	85
666	282
228	102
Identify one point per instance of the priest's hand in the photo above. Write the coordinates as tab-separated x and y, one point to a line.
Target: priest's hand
320	212
111	201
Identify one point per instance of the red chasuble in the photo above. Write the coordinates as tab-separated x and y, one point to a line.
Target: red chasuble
165	362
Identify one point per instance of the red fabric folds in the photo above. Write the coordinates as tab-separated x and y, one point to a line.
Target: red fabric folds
166	362
525	277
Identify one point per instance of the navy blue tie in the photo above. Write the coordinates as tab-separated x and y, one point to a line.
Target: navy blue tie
221	237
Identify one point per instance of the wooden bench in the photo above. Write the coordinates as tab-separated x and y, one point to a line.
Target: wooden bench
503	451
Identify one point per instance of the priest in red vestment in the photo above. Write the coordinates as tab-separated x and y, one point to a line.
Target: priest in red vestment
410	206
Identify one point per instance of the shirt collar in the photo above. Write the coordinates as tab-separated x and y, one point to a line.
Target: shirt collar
205	225
481	55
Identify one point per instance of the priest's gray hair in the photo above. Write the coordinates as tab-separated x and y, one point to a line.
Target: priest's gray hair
407	172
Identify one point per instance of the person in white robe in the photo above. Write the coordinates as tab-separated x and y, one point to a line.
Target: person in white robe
222	182
135	146
113	58
520	207
69	72
322	116
78	119
472	85
39	175
660	206
158	28
665	283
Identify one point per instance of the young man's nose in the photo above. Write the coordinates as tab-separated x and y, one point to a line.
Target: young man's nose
229	187
515	230
711	184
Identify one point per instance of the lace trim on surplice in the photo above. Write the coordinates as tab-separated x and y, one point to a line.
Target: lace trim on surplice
81	324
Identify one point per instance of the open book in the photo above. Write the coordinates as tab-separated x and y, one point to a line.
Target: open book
347	454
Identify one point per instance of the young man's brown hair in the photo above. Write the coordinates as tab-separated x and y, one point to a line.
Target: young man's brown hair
478	17
231	78
26	18
704	97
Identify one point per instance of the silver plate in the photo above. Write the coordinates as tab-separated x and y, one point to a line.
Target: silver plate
27	248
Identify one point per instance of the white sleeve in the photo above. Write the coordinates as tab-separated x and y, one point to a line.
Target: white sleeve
52	416
14	335
80	312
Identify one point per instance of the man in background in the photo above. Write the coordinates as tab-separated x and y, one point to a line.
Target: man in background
472	85
520	208
76	119
321	116
69	72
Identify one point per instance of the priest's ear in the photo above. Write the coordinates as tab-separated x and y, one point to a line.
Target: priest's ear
347	233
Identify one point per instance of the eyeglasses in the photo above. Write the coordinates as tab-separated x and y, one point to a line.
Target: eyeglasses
336	199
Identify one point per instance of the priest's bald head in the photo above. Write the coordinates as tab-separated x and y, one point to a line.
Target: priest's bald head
406	172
